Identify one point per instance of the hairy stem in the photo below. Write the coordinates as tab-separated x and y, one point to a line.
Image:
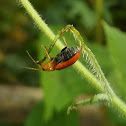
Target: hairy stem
102	98
93	100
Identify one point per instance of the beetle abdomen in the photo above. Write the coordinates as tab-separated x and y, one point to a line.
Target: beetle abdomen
67	57
66	54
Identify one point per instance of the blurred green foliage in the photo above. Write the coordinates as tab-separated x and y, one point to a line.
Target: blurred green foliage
59	118
116	44
18	33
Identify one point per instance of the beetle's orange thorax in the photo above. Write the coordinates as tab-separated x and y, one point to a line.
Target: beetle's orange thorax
50	66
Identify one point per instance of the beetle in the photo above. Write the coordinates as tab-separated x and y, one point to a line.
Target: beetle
67	56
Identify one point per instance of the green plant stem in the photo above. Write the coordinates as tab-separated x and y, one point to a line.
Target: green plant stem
93	62
85	72
119	104
116	101
93	100
102	98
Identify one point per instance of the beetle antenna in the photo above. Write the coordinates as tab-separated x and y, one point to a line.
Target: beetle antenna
31	57
30	68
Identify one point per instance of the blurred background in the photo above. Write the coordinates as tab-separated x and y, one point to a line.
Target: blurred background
36	98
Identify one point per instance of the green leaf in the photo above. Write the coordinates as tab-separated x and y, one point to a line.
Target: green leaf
36	118
117	43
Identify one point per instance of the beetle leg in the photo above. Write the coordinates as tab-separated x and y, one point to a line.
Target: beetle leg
64	38
47	54
56	38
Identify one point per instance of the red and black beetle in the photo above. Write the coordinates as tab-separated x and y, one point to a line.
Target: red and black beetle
65	58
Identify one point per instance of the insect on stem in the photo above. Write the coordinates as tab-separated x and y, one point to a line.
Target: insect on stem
67	56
